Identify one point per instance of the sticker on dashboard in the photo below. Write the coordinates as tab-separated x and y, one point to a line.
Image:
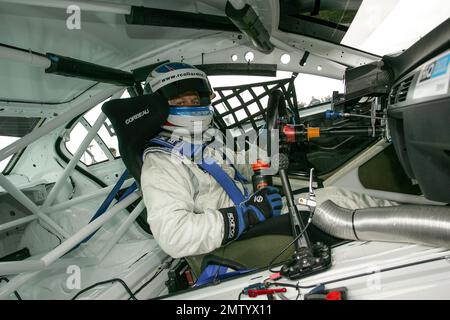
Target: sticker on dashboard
434	78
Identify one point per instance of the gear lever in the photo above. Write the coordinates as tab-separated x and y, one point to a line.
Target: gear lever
308	259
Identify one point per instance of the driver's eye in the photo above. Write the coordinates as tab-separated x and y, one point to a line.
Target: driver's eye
188	100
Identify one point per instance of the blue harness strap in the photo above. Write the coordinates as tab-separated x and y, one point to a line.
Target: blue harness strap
215	272
110	196
209	165
230	187
104	206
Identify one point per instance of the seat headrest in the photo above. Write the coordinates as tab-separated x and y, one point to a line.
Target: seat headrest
135	121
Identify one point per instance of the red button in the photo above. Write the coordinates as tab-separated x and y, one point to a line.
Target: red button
334	295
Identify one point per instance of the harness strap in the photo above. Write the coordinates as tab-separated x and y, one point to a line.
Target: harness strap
111	196
209	165
214	272
106	203
230	187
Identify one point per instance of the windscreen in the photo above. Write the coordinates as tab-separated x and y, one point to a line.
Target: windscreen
379	27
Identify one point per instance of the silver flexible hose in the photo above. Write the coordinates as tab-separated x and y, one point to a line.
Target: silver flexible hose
420	224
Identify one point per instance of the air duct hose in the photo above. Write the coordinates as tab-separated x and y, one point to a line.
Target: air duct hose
420	224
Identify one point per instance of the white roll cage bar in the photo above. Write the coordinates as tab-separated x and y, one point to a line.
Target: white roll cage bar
27	269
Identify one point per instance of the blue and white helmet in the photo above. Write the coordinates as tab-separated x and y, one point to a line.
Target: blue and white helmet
174	79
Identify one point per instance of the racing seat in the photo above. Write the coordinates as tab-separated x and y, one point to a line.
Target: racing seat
135	121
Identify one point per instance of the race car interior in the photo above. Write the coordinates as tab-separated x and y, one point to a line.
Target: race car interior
387	135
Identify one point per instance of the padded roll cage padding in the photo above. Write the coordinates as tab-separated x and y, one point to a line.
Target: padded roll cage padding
135	121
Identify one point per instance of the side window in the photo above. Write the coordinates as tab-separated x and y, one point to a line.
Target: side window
4	142
108	135
312	90
103	147
93	154
12	129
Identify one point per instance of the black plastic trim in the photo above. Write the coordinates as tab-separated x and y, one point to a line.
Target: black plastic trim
70	67
178	19
432	44
246	69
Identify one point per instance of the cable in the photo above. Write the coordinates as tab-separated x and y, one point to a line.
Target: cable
73	188
293	241
267	284
49	231
411	264
353	276
160	269
289	285
132	295
297	287
332	115
105	282
15	292
336	146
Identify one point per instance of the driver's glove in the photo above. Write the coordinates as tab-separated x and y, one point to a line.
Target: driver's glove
261	205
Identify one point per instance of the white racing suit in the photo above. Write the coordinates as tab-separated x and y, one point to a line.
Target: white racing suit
348	199
182	200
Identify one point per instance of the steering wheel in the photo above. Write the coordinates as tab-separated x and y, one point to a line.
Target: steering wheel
276	108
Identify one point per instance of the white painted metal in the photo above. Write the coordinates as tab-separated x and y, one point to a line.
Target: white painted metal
74	161
97	138
35	265
96	6
350	259
19	280
306	112
24	57
369	259
135	279
92	132
281	45
16	283
16	223
135	263
20	196
74	110
14	267
70	243
11	110
93	195
122	229
30	205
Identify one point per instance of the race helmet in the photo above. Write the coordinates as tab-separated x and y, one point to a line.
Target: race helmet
188	92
